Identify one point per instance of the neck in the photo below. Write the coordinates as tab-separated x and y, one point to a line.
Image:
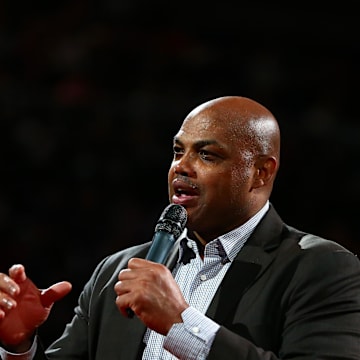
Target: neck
201	243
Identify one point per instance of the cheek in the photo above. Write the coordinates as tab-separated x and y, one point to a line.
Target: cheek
170	179
171	171
240	176
238	181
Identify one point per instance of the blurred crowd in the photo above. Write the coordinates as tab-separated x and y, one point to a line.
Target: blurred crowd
92	94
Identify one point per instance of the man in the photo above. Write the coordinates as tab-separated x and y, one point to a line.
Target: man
251	287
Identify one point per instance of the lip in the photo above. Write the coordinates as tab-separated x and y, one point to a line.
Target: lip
185	192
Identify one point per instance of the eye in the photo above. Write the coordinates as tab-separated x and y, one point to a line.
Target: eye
177	150
206	155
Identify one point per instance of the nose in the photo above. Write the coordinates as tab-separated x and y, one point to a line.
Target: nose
184	165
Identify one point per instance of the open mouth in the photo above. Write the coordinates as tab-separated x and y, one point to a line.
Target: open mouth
184	192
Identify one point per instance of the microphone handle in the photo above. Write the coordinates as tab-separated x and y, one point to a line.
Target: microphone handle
161	246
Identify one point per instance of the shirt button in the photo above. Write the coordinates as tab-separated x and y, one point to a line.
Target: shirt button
203	277
189	244
195	330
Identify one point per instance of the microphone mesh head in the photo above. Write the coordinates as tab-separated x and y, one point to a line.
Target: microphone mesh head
172	220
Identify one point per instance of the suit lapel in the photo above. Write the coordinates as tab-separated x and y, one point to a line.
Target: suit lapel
241	274
253	259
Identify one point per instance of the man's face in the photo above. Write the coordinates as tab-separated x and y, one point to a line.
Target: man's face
211	175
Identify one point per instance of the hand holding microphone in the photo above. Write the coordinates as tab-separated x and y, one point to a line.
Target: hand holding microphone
147	287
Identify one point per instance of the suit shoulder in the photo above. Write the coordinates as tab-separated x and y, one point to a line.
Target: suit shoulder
311	241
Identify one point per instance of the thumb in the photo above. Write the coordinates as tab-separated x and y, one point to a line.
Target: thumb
54	293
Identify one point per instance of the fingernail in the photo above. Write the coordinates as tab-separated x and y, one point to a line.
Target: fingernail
8	303
12	289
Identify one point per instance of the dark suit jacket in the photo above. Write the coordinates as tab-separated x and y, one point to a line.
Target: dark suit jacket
287	295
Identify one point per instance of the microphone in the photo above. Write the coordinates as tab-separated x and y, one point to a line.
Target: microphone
169	227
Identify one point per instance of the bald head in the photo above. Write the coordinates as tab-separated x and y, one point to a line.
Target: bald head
244	120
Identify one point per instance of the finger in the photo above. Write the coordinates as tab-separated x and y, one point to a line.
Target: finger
120	290
126	274
135	263
8	285
17	273
142	264
55	293
7	303
122	287
117	287
124	306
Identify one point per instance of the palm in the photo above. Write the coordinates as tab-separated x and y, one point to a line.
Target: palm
33	307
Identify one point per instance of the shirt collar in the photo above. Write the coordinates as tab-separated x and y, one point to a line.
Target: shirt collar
228	245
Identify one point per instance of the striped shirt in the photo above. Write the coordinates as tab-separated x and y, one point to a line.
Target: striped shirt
198	281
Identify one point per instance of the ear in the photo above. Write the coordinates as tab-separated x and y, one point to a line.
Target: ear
266	168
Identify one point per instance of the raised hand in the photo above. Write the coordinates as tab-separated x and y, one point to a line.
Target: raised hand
24	307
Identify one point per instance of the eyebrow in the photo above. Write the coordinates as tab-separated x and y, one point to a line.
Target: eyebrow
200	143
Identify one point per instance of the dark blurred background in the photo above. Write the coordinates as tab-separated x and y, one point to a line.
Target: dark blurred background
91	94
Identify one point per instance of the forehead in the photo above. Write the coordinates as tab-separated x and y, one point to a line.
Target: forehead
208	126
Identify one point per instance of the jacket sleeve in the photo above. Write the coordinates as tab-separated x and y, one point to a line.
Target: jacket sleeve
74	341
